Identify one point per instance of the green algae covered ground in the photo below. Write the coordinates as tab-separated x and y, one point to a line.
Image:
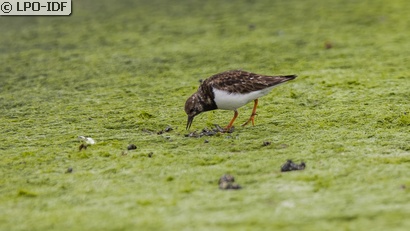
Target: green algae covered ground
120	72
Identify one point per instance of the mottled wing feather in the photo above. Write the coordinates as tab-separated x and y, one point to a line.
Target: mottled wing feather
243	82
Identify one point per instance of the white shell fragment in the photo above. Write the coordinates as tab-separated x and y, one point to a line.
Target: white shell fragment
86	139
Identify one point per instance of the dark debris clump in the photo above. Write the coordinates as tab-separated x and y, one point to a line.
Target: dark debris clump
266	143
132	147
291	166
167	129
209	132
226	182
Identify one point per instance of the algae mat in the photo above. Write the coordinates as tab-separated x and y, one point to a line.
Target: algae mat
121	72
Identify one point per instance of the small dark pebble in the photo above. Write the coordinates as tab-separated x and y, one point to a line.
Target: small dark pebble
206	141
209	132
266	143
69	170
131	147
227	182
82	146
403	186
167	129
150	154
290	166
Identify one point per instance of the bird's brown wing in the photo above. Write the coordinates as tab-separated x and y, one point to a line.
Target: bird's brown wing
244	82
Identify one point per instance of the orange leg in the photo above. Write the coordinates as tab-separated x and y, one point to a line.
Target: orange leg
252	118
232	120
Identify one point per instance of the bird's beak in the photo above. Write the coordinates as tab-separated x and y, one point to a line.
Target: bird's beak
190	120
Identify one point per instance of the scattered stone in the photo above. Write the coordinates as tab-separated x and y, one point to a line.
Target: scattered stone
131	147
207	132
167	129
403	186
150	154
69	170
82	146
206	141
266	143
227	182
290	166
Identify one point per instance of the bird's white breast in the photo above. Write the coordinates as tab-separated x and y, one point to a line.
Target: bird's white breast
232	101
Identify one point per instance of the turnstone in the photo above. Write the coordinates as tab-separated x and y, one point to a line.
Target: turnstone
231	90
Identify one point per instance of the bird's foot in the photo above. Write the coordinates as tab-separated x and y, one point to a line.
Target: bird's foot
227	129
252	118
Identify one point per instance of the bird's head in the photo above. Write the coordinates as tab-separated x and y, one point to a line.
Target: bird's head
193	107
